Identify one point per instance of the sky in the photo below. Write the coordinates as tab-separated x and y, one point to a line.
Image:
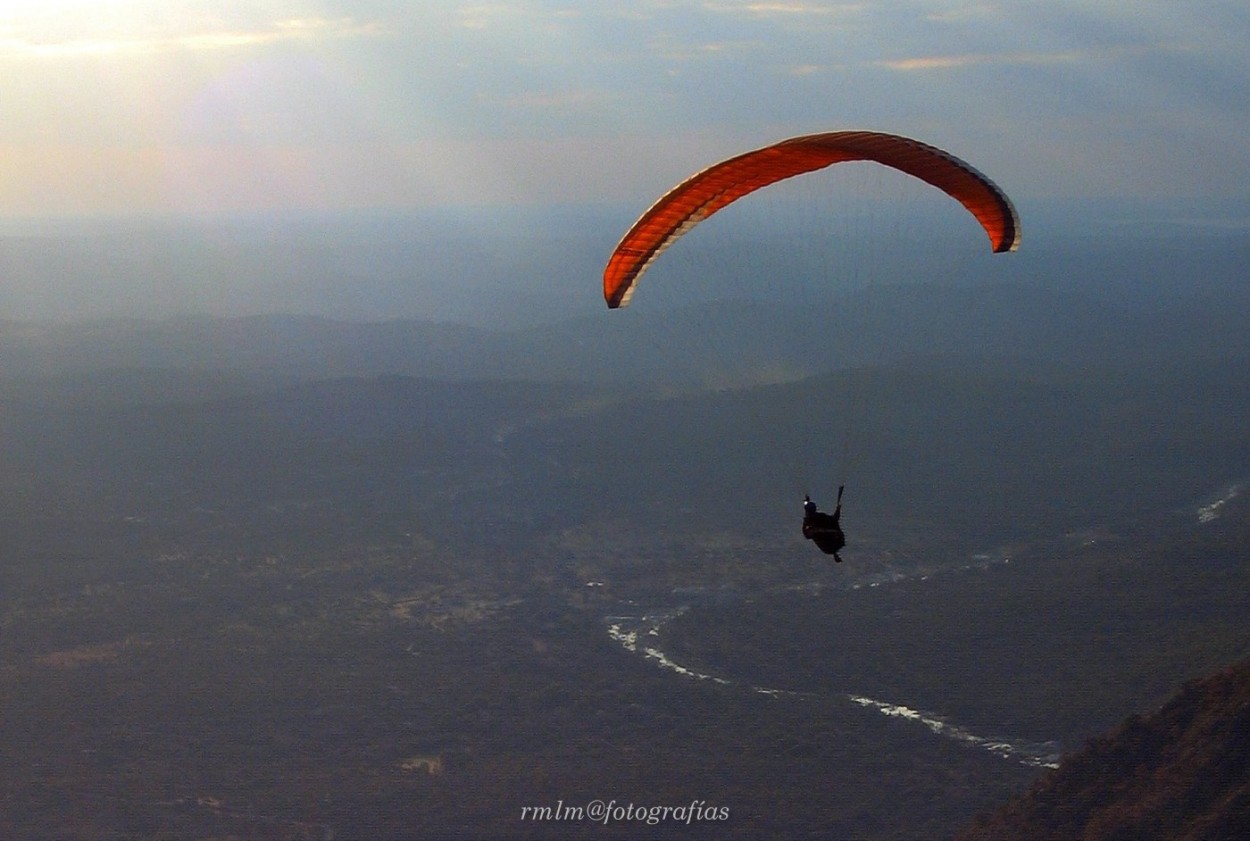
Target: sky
189	107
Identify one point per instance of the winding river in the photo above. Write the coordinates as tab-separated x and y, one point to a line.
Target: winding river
639	631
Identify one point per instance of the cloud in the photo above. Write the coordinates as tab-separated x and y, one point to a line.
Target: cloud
961	13
948	62
69	36
484	15
794	8
575	98
675	50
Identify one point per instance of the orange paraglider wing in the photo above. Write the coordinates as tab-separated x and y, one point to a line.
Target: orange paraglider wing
719	185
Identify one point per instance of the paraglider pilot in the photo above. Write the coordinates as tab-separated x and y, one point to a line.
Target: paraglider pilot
825	530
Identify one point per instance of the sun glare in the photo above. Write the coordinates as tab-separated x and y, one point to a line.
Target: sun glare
68	27
63	28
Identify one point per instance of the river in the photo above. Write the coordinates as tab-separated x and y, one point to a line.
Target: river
639	631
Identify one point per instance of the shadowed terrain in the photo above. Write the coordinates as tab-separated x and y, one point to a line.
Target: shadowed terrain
261	583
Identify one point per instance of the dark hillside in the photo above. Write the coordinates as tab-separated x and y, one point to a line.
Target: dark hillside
1180	774
946	448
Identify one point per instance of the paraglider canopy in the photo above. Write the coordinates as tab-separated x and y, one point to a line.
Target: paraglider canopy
721	184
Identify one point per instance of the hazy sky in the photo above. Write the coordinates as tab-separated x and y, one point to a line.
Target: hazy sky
177	105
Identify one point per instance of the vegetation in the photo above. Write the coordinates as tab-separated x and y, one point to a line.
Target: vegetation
237	601
389	692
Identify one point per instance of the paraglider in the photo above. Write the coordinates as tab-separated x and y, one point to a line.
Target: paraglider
718	186
709	191
825	530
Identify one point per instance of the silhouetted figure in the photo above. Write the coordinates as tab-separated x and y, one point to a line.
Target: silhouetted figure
825	530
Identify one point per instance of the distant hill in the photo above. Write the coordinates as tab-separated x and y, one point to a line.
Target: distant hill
1181	773
718	344
991	451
